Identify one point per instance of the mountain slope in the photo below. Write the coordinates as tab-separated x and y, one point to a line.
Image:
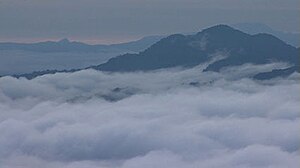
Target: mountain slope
138	45
169	52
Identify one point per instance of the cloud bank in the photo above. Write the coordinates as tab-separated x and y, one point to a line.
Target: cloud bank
169	118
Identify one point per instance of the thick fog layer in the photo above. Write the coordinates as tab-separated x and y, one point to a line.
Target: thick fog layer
168	118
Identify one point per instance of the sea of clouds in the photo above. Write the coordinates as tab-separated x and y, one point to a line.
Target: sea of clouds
179	118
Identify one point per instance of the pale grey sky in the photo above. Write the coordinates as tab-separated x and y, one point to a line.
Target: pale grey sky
107	21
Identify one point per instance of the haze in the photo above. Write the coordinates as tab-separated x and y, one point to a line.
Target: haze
110	21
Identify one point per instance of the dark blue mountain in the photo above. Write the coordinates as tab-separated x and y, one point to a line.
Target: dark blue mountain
192	50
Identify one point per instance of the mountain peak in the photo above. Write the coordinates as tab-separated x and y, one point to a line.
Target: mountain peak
64	41
221	28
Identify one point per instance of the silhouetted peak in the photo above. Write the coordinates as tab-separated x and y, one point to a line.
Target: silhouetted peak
175	38
220	30
64	41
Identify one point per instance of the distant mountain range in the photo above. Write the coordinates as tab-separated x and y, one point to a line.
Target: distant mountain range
65	45
222	45
292	38
63	54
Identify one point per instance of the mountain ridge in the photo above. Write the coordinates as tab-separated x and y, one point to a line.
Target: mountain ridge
191	50
292	38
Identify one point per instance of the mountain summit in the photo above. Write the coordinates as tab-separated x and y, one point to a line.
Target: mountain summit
64	41
233	47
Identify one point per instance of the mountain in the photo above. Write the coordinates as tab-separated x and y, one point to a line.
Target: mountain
222	45
188	51
255	28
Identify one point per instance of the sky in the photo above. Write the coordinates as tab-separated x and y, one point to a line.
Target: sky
110	21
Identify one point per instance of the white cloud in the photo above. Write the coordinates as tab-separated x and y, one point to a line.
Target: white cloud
62	120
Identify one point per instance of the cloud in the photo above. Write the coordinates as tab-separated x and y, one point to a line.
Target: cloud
159	120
